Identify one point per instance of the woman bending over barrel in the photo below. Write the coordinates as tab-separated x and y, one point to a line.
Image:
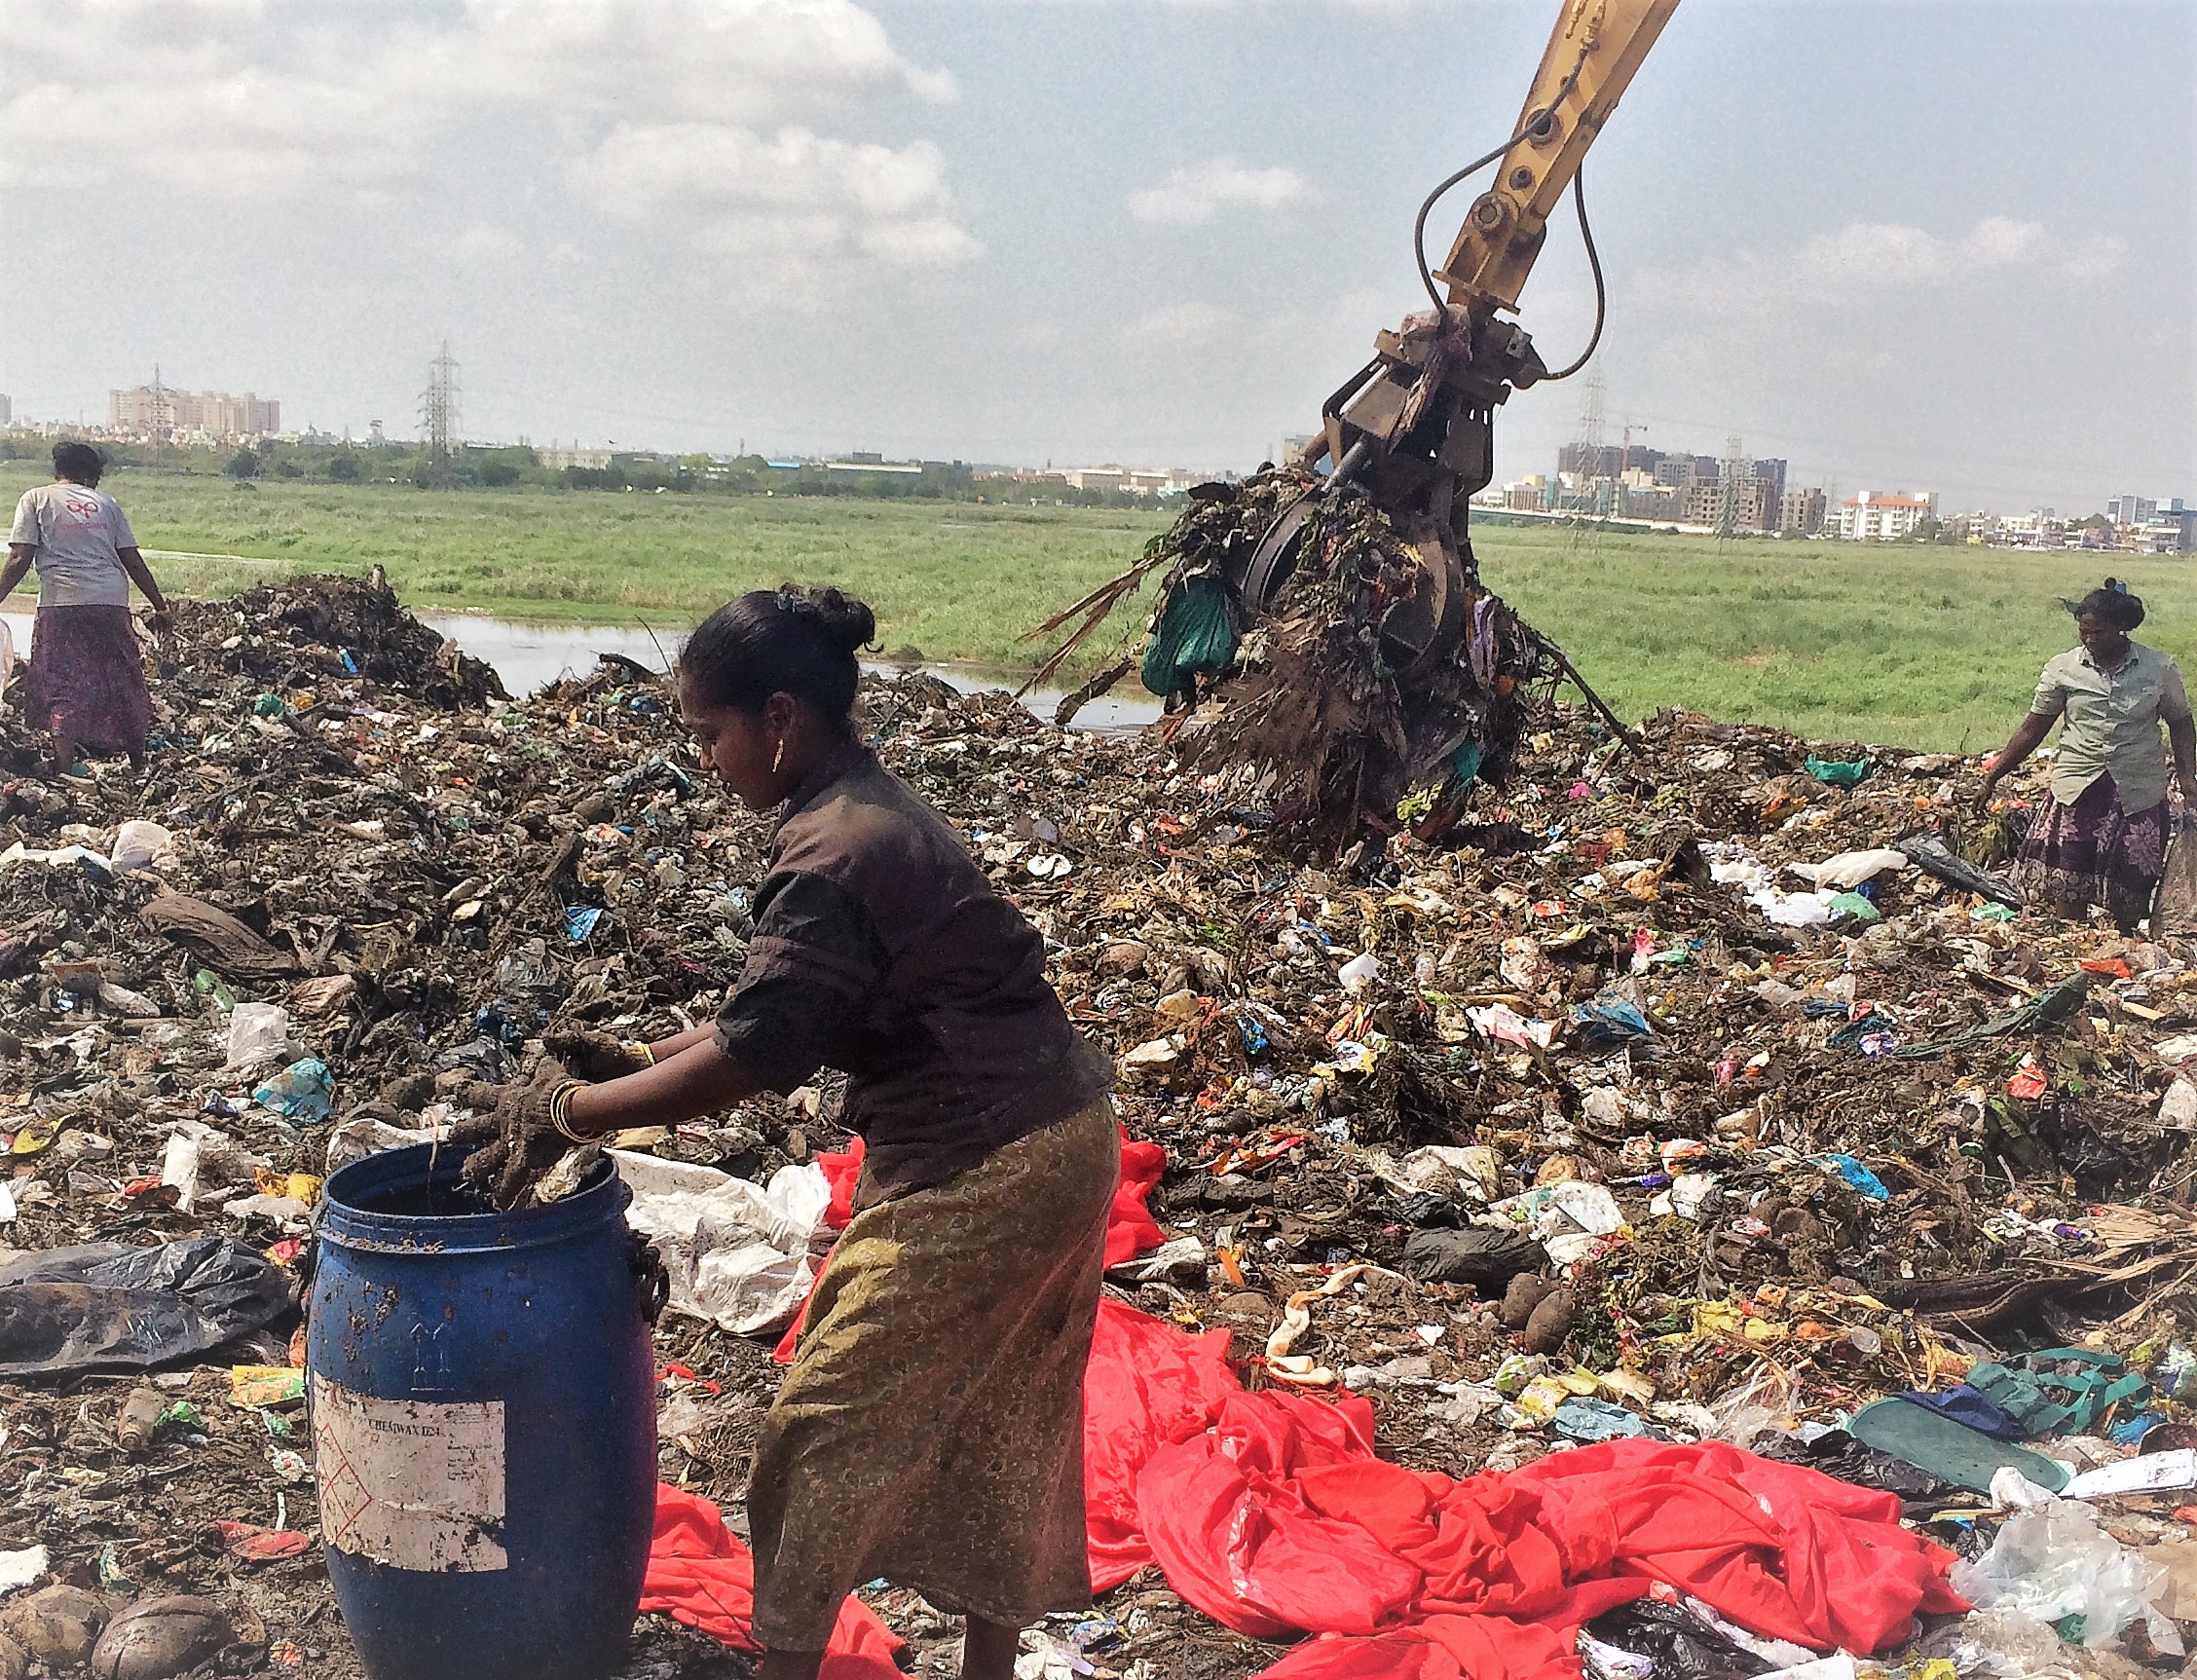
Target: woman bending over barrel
929	1429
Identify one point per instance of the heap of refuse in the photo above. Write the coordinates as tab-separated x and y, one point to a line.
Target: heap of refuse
1718	1092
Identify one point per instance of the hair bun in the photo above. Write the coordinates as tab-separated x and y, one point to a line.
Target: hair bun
845	621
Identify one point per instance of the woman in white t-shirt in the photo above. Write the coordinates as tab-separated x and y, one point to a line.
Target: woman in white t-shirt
87	679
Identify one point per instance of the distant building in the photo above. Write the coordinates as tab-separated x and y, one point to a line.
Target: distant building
1801	510
2162	536
553	457
7	410
1755	502
2132	509
1877	516
2040	528
157	410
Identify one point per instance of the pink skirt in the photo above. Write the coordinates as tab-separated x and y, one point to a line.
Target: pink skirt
86	678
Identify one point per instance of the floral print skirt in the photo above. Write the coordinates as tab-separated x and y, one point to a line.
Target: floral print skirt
2093	853
930	1427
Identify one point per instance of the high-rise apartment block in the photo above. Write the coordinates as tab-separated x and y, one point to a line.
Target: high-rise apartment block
157	410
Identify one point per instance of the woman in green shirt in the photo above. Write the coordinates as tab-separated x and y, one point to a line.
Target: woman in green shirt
2102	838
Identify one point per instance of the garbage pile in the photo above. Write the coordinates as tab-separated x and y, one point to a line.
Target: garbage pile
1348	683
1717	1092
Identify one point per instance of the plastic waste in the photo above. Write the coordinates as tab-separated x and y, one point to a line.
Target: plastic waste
355	1139
137	842
1567	1218
737	1253
1860	1178
2174	910
1582	1418
1834	774
2004	1644
1949	1450
1847	870
140	1420
2179	1107
1676	1644
2150	1472
18	1569
302	1091
108	1306
2053	1561
1361	972
199	1158
257	1031
1485	1257
1934	857
1609	1022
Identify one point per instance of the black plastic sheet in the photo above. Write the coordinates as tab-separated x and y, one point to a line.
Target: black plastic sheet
108	1306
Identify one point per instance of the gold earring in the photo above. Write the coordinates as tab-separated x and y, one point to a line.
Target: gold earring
779	757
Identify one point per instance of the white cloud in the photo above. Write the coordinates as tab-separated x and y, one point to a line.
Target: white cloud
796	193
1190	197
482	244
1179	323
1886	254
1865	263
747	61
233	99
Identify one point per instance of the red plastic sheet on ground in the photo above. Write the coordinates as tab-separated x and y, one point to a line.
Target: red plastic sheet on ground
700	1574
1270	1513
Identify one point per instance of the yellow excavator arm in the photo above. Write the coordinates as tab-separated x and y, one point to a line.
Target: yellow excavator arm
1414	428
1596	48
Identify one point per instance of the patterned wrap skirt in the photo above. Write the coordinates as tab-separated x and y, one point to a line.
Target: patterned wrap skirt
930	1427
86	678
2093	853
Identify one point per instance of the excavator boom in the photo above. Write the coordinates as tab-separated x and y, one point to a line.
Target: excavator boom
1596	48
1414	428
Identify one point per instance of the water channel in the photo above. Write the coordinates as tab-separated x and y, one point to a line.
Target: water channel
526	655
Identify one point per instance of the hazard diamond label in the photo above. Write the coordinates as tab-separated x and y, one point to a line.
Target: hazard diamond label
410	1484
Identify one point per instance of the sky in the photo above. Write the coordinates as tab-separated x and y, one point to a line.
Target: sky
1926	244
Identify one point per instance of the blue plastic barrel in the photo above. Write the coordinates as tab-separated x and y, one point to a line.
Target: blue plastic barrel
484	1423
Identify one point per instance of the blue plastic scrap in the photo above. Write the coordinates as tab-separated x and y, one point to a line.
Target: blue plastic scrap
1611	1021
581	920
1855	1175
1581	1418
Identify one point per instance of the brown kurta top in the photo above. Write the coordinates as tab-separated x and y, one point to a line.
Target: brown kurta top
881	950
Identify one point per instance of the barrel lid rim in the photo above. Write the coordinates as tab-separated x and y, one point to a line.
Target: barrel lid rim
347	1225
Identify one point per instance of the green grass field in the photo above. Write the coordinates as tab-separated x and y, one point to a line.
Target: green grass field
1932	648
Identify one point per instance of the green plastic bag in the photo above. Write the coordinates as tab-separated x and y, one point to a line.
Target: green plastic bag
1197	635
1832	773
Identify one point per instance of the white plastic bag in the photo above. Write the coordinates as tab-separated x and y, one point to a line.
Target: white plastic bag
256	1032
2053	1562
737	1254
137	843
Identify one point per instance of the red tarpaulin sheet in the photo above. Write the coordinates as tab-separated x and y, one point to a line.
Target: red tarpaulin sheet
700	1574
1270	1513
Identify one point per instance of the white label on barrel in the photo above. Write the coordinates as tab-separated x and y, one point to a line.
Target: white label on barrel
410	1484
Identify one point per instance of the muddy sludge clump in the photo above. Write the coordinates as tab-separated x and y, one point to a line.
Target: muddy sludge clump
312	628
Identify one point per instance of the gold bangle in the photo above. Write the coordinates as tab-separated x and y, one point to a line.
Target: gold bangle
645	1050
560	1111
